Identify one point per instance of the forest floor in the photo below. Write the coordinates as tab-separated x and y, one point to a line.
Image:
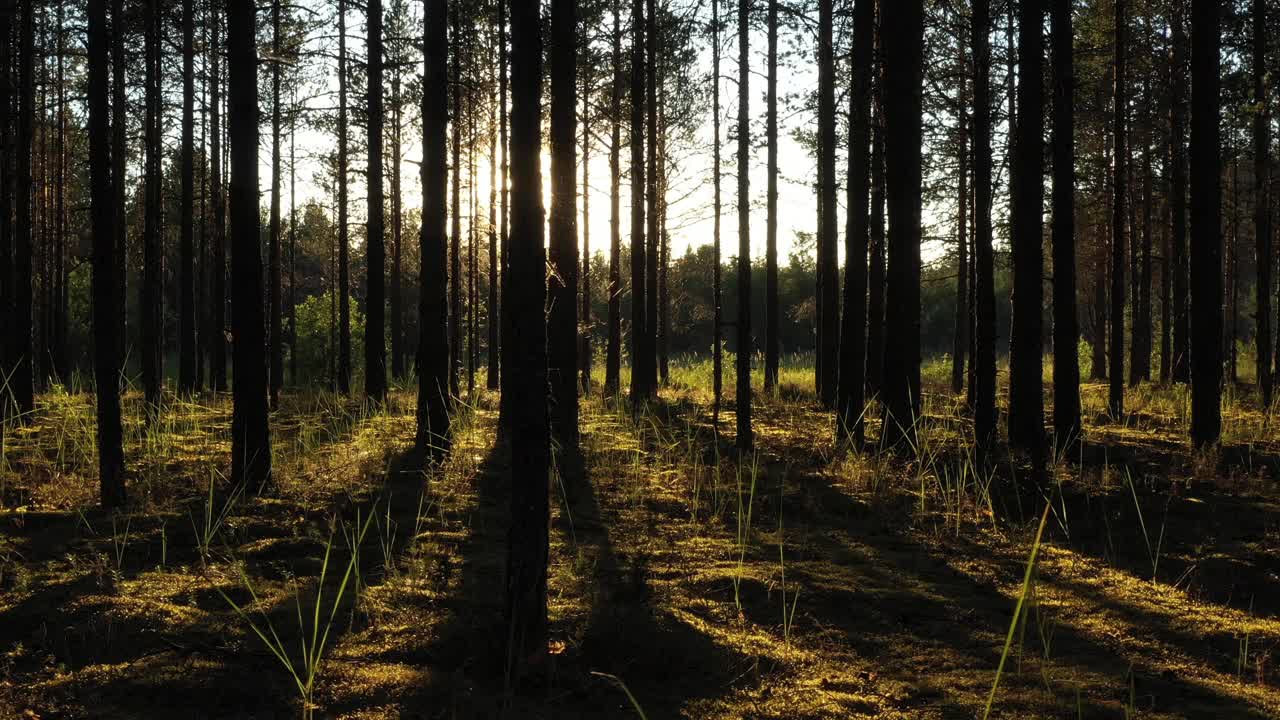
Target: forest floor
801	582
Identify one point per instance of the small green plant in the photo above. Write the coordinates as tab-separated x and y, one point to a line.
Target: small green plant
119	539
313	631
214	518
1017	611
1153	552
743	538
635	704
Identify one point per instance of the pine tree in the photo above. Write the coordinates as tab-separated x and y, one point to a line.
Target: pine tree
613	343
562	313
1119	191
1066	333
1206	234
375	343
745	440
433	311
1262	204
771	343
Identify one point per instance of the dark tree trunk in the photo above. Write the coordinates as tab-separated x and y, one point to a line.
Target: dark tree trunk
527	549
396	300
186	250
1066	330
218	304
344	252
903	46
106	302
492	320
1146	325
584	348
664	240
504	405
293	236
1181	371
771	342
22	379
852	379
250	433
375	338
717	320
1119	176
876	268
984	360
151	297
1206	233
1262	204
960	335
60	314
745	440
613	346
652	235
275	346
828	213
8	351
562	315
455	245
433	312
1026	386
640	389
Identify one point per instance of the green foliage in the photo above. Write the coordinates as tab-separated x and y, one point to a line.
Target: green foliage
316	348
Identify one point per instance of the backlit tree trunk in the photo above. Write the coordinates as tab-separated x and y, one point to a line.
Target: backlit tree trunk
613	346
1066	332
375	337
1119	229
984	360
433	314
562	314
1262	205
745	441
1206	233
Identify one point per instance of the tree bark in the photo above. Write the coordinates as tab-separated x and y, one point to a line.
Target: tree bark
984	405
771	341
1026	386
717	337
218	304
903	46
1206	233
653	238
1120	99
960	335
1262	203
106	301
745	440
852	378
1181	371
1066	330
528	544
275	347
344	243
494	368
584	348
455	245
613	346
186	249
876	267
640	389
151	297
250	432
433	336
8	351
828	213
375	342
562	314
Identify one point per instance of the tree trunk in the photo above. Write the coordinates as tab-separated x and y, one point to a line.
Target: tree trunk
613	347
1118	210
527	550
960	335
584	348
649	362
396	300
745	441
106	302
150	297
640	389
1181	371
1262	203
984	360
186	250
492	374
1026	386
8	351
1066	330
828	213
771	342
852	378
562	314
375	338
22	377
275	347
250	433
433	336
455	246
876	268
218	304
1206	233
344	252
903	46
717	320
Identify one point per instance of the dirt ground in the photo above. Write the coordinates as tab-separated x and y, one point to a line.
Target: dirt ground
802	582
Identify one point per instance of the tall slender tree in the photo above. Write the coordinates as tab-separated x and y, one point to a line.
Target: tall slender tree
106	305
494	367
375	334
1066	332
613	344
1206	218
828	266
150	296
433	311
275	337
903	28
653	239
22	377
250	431
960	335
771	343
984	360
745	440
640	387
1262	204
455	243
344	251
717	341
396	292
852	379
1026	394
186	250
1119	229
528	544
562	314
1181	371
218	275
8	356
584	349
876	268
